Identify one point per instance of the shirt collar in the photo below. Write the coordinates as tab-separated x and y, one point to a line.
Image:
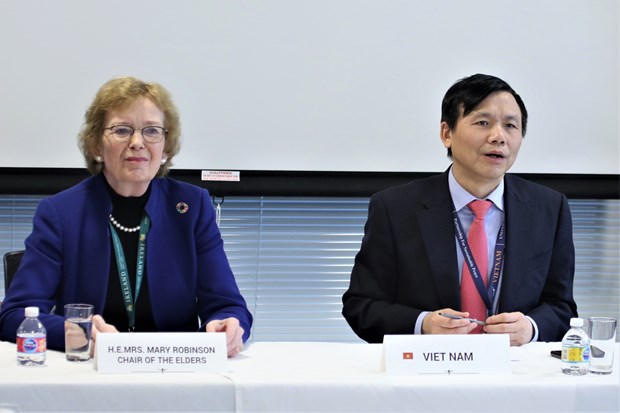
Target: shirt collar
461	197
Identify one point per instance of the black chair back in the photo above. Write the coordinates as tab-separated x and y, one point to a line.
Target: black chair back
12	259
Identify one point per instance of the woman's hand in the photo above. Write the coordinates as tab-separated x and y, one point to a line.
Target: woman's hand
99	326
75	336
234	333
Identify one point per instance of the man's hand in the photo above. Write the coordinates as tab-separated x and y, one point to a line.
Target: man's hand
437	324
516	325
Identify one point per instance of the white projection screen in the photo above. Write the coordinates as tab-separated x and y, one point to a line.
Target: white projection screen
314	85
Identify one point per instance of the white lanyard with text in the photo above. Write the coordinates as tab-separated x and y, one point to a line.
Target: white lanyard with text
487	294
130	302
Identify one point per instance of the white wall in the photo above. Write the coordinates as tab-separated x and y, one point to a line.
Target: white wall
325	85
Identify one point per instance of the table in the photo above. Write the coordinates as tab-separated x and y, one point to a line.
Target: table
61	386
309	377
347	377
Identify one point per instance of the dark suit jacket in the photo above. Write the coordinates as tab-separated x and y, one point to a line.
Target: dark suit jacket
67	260
408	263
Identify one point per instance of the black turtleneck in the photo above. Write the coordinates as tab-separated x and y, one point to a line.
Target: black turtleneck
128	212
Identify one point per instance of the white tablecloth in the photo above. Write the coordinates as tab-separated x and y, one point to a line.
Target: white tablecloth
308	377
347	377
61	386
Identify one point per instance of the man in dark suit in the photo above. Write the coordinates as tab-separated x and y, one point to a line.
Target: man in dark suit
412	260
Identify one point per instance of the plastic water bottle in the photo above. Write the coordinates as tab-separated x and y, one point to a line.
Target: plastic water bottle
575	349
31	340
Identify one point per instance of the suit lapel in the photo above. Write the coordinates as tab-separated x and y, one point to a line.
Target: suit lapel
98	265
518	213
155	245
437	231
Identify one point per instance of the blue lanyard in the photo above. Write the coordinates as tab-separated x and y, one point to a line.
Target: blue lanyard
130	302
487	294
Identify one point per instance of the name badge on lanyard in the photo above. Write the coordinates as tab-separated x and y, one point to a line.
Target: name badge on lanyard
486	293
129	299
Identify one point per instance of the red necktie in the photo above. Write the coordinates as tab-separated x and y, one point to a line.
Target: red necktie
477	240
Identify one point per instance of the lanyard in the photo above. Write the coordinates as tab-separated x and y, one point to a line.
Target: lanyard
487	294
130	302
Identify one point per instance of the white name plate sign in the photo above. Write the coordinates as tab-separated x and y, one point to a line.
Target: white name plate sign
446	354
160	352
231	176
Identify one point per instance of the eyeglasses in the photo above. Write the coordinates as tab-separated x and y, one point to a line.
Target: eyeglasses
150	134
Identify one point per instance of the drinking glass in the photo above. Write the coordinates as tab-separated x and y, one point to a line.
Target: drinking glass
78	326
602	332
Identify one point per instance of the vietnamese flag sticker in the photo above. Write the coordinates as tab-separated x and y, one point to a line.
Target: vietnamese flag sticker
407	356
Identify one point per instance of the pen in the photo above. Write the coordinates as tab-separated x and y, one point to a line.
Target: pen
458	317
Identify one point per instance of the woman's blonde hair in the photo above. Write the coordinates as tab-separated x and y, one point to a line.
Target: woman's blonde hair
119	94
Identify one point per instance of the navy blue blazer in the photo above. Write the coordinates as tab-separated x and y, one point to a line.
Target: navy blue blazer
407	262
67	260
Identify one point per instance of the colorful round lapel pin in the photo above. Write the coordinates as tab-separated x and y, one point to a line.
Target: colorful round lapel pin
182	207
